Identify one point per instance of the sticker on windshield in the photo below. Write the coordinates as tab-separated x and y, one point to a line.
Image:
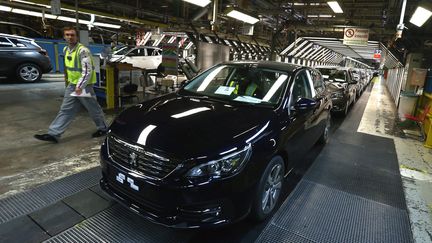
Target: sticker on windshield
224	90
248	99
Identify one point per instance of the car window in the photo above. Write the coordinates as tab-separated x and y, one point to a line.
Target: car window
137	52
301	88
17	42
317	81
121	51
153	52
5	42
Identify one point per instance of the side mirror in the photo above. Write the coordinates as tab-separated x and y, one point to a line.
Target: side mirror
304	105
183	83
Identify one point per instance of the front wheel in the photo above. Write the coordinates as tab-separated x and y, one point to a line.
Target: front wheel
269	189
28	72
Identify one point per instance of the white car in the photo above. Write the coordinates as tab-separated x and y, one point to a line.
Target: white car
144	57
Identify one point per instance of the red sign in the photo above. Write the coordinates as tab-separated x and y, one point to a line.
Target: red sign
377	54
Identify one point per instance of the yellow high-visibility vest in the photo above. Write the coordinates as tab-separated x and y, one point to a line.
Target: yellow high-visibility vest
73	65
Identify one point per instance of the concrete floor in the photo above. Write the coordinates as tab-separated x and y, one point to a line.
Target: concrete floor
27	109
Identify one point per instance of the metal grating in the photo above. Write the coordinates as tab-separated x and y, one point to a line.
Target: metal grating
355	178
380	160
323	214
39	197
118	224
67	186
19	204
274	233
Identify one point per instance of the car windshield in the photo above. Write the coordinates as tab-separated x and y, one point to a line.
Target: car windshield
333	75
121	51
244	84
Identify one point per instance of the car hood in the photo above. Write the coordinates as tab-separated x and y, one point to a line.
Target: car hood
186	127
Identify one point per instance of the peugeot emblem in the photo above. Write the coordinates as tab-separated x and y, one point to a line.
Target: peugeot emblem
132	157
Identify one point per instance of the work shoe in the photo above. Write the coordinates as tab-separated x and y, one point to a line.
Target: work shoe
46	137
99	133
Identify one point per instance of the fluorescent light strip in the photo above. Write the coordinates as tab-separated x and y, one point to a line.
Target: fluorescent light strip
334	5
50	16
298	48
172	39
28	2
304	49
290	46
5	8
420	16
242	17
201	3
156	43
326	16
189	45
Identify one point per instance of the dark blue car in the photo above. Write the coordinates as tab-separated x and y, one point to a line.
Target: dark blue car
217	150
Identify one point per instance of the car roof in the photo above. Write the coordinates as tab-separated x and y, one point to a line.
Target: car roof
16	37
147	47
288	67
334	67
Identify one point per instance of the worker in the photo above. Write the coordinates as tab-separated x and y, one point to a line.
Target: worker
80	76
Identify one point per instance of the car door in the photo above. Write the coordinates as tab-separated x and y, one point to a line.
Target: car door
296	130
7	56
323	99
351	86
136	56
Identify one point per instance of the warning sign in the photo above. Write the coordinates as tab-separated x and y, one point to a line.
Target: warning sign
377	54
356	36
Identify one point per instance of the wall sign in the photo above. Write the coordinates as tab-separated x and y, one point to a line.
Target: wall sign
356	36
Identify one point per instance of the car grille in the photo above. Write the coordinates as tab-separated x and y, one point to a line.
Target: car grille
139	159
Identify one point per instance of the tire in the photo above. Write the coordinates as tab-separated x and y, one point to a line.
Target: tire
268	190
345	111
28	73
325	135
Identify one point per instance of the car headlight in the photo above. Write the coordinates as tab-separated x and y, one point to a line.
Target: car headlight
337	95
222	167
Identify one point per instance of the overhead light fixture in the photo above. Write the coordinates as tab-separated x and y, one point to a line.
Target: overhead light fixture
201	3
189	45
50	16
334	5
242	17
172	39
420	16
26	12
112	26
158	41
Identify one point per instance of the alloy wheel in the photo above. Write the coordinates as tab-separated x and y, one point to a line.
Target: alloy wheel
29	73
272	189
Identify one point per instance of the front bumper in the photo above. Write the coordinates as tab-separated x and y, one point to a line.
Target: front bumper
174	205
